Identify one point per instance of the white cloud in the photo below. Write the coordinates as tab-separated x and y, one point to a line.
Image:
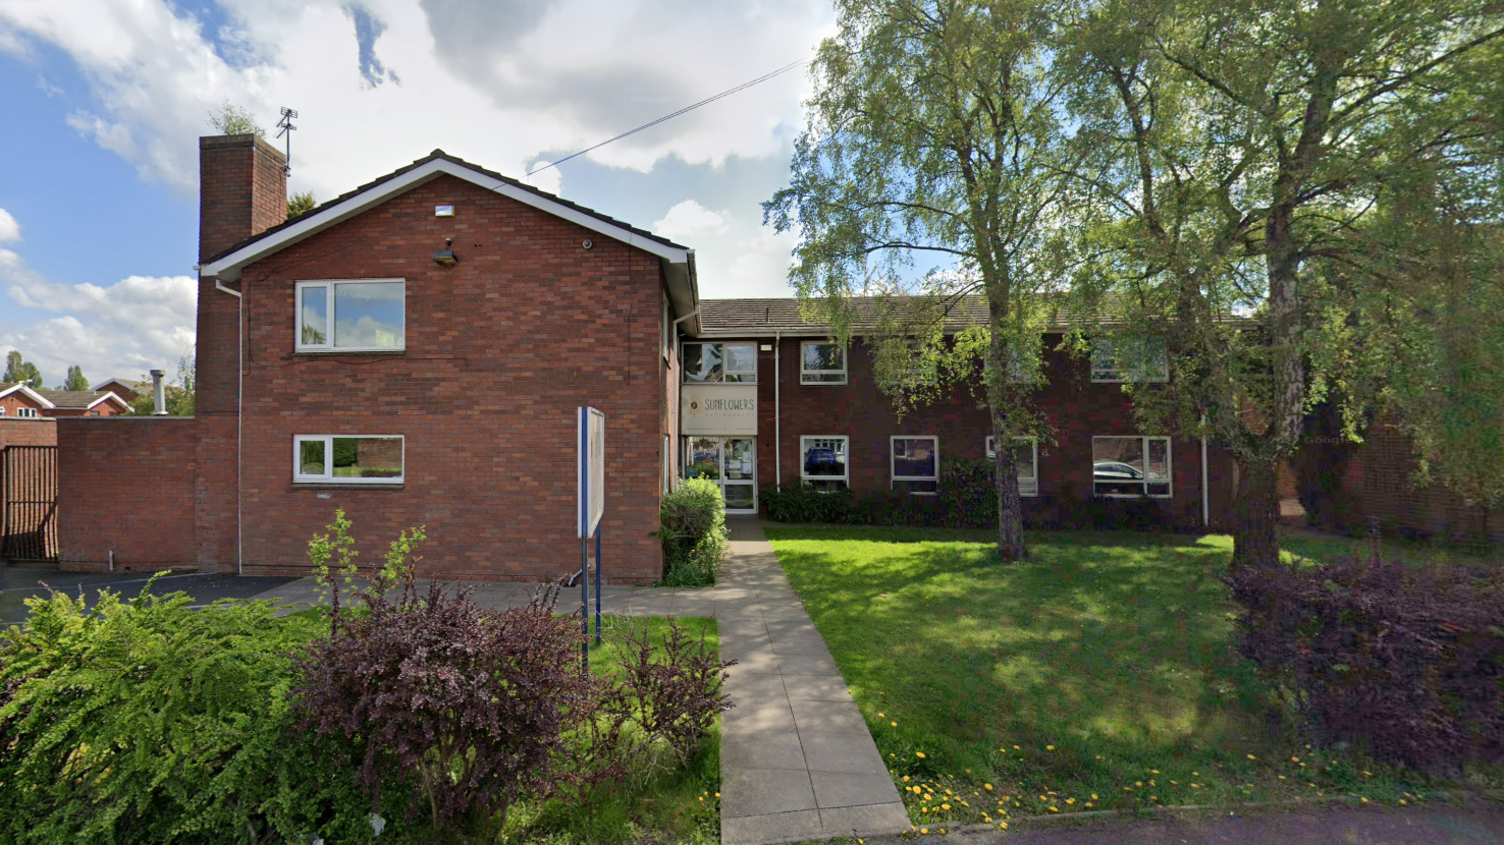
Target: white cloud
689	220
10	230
381	82
123	329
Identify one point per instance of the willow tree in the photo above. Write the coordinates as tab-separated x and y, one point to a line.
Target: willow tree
1248	156
933	136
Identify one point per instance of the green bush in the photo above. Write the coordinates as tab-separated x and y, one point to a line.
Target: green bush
147	721
803	503
693	531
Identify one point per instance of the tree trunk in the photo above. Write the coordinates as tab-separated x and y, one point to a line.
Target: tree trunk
1010	517
1254	541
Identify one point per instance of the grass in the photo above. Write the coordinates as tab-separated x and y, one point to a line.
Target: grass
679	805
1099	674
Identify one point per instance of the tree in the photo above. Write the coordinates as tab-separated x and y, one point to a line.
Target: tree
933	131
20	371
178	393
1244	159
300	203
75	379
234	120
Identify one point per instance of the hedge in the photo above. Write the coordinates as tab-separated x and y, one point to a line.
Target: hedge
692	522
1407	664
967	499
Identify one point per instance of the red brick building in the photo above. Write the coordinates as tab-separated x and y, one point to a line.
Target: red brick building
20	402
769	399
414	351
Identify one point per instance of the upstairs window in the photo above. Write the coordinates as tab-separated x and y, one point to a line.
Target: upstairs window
916	465
335	459
368	315
821	363
1149	363
714	363
27	413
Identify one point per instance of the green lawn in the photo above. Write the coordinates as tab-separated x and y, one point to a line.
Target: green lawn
679	806
1097	675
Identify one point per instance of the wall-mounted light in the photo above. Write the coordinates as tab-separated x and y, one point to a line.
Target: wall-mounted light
445	257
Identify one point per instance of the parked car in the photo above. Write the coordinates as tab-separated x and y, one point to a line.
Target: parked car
1115	471
822	460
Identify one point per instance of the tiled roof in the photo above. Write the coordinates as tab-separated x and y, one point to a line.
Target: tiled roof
76	400
440	154
722	316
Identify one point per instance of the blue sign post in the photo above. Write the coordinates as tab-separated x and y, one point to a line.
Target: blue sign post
591	429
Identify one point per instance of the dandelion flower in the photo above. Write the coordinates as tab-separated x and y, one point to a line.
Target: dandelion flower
919	754
1002	825
1094	796
987	786
1070	800
1364	800
1049	748
1015	748
1402	802
894	724
718	795
1054	809
1154	771
905	778
1251	757
925	831
1087	804
945	806
1138	783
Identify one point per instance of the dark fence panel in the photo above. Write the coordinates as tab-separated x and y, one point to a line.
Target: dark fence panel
28	503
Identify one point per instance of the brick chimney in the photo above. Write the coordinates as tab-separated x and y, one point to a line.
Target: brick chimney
242	184
242	192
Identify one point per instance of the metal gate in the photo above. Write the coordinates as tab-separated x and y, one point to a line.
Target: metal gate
28	503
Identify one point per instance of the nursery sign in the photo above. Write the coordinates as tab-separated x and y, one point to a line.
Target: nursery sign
718	409
591	431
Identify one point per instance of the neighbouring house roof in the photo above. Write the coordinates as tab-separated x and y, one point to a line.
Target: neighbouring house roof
81	400
678	261
130	384
722	317
8	389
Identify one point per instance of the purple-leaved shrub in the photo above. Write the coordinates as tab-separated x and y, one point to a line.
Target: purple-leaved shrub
1405	663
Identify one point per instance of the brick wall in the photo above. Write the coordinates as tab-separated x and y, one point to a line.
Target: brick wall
30	432
1078	409
1343	484
500	350
125	484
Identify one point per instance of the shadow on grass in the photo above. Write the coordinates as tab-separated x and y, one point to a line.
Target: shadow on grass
1112	647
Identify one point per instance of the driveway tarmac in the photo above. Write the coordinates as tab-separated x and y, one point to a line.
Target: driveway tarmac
20	582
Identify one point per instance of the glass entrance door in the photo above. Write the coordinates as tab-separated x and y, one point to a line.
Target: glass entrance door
731	462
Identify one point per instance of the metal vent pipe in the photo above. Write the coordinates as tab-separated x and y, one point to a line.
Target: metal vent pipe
159	392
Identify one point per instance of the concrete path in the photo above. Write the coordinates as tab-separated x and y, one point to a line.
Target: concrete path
797	761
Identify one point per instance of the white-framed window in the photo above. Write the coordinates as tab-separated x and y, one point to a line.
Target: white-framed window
921	369
1026	453
821	362
823	462
347	459
27	413
1131	466
1153	363
713	363
915	464
2	410
356	315
668	329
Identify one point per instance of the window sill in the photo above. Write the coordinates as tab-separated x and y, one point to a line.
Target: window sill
803	383
1132	496
335	485
350	351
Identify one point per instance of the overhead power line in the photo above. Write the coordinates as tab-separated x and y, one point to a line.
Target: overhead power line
705	102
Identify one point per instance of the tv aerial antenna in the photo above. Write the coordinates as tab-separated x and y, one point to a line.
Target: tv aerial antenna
285	127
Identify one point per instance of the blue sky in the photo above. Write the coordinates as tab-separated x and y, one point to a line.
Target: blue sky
104	101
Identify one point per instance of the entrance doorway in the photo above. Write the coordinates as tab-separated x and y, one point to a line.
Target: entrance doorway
731	462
